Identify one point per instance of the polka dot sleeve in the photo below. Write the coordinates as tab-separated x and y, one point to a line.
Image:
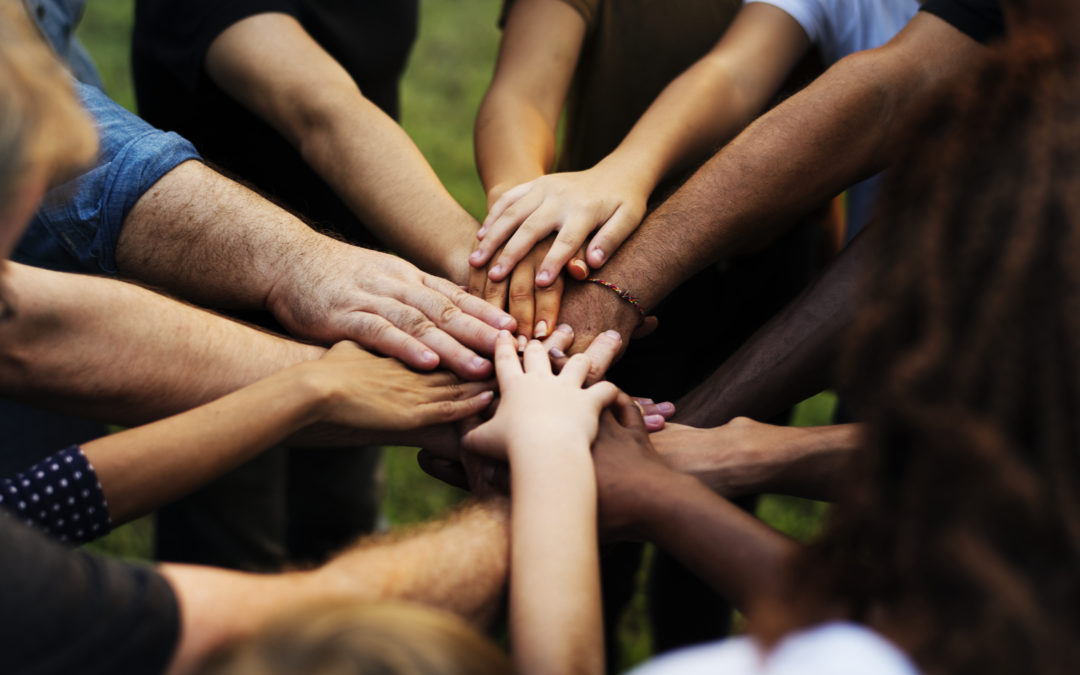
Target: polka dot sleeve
60	496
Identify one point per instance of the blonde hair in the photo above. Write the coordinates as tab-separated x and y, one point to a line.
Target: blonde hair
43	129
370	638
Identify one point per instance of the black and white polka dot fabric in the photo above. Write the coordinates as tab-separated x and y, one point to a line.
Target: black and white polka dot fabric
60	496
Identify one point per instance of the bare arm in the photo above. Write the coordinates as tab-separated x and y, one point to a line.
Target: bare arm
543	426
459	565
209	239
709	103
744	457
270	64
641	497
148	466
839	129
120	353
517	120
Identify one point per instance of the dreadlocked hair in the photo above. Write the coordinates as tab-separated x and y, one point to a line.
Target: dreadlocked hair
959	537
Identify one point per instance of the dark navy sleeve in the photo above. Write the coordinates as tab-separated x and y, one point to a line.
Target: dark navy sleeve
67	611
78	224
61	496
982	20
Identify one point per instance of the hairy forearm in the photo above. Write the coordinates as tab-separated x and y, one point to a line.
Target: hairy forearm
459	565
122	354
206	238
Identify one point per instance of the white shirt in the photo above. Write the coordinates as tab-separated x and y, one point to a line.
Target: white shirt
840	28
836	648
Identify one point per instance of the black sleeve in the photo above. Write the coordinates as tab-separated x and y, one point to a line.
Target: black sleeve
66	611
177	33
981	20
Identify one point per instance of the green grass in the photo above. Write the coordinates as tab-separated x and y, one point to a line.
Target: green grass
449	70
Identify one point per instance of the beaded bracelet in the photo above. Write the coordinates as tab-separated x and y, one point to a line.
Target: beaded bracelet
622	293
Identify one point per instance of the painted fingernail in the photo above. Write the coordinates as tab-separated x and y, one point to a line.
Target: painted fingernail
613	334
665	408
654	420
544	277
541	329
556	353
497	270
580	267
521	342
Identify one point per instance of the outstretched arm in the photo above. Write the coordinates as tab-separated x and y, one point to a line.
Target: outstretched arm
839	129
209	239
272	66
152	465
706	105
543	426
642	498
459	565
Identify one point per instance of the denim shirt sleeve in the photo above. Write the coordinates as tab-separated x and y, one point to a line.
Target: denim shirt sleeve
78	225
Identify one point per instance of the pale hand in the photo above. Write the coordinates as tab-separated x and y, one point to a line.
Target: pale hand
343	292
574	204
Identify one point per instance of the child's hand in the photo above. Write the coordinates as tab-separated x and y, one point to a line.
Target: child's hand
538	408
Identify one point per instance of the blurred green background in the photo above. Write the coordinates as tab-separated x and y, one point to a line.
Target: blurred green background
450	68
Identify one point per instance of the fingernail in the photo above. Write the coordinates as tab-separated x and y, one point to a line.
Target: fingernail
521	342
480	232
429	356
665	407
544	277
556	353
597	255
506	322
479	362
653	420
580	266
497	270
541	329
504	334
613	334
565	328
474	257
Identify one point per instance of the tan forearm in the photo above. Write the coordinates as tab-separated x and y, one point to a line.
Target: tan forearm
731	550
148	466
122	354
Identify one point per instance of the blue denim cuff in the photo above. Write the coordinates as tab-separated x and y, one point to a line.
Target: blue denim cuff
78	224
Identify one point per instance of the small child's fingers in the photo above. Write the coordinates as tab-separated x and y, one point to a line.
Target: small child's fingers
536	358
576	369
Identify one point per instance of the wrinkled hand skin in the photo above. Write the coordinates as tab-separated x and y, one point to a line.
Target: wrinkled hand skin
338	291
592	309
629	472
